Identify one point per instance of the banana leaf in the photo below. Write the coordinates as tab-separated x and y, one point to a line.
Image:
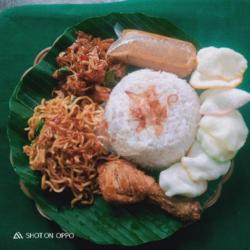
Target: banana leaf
101	223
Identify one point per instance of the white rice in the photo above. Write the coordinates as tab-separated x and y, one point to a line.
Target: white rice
179	129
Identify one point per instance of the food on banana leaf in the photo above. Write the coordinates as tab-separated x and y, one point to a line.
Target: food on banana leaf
83	68
121	182
152	118
148	50
213	147
221	102
175	180
201	166
229	130
218	68
102	125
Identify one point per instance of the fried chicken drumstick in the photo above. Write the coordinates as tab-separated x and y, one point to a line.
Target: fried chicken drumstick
121	182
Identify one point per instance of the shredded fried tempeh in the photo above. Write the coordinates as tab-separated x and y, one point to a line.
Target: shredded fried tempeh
67	149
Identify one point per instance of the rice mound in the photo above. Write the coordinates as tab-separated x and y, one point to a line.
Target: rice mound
179	128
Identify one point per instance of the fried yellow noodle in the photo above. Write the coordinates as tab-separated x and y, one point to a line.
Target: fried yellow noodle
67	148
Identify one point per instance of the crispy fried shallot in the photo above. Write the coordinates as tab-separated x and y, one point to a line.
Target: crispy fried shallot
147	109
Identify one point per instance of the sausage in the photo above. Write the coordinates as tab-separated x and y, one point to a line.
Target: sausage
148	50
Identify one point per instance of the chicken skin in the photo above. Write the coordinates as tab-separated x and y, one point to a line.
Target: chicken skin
121	182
